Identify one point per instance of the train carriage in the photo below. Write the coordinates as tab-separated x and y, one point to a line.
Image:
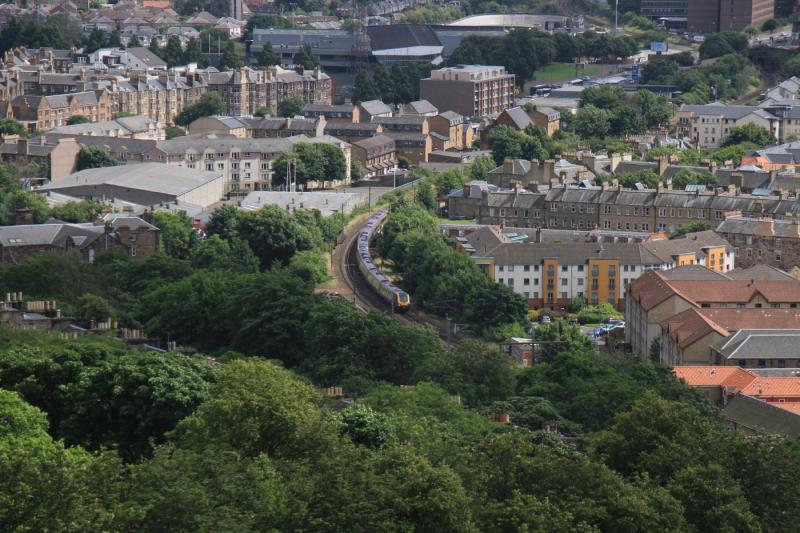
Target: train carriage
393	295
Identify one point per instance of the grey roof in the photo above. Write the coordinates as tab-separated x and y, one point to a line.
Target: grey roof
453	117
760	344
419	107
692	243
327	108
147	57
761	417
519	117
730	112
327	203
572	253
760	271
375	107
153	177
752	226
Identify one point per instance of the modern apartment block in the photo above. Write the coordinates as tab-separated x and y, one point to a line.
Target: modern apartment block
551	268
470	90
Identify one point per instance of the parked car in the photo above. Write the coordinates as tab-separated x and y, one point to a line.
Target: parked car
546	319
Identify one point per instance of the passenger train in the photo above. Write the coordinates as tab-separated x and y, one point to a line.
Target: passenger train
391	293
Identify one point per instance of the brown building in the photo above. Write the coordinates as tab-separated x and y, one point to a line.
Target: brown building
657	296
333	113
375	155
352	131
727	15
456	128
617	208
414	146
56	156
471	90
763	241
132	235
41	113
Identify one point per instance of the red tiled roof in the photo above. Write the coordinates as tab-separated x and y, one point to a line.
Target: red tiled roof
651	288
738	290
693	324
782	386
733	377
793	407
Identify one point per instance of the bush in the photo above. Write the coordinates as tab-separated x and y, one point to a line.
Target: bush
597	313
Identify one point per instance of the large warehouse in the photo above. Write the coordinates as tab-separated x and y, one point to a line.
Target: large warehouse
144	184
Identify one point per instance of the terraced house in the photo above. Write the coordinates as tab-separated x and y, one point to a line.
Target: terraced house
616	208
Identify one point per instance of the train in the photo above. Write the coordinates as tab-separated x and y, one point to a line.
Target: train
393	295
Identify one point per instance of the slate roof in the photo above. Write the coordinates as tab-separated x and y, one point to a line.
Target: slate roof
761	417
760	344
519	117
418	107
375	107
401	36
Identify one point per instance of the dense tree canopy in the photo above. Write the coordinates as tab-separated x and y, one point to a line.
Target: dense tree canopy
209	104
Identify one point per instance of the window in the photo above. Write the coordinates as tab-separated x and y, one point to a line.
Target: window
510	282
550	284
595	299
526	281
775	306
500	268
595	270
563	295
612	270
759	306
526	268
536	268
550	270
740	306
564	282
612	284
563	268
133	251
580	282
580	268
595	284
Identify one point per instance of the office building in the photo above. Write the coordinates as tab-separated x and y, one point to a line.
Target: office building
470	90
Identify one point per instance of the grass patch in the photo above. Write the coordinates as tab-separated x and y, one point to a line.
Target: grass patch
440	220
564	71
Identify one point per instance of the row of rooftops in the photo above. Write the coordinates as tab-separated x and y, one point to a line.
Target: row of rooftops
520	246
714	200
655	287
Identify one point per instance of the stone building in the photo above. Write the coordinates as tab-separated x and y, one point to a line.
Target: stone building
763	240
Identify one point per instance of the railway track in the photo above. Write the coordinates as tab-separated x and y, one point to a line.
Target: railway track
362	295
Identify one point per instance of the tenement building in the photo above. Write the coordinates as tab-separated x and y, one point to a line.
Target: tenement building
616	208
760	240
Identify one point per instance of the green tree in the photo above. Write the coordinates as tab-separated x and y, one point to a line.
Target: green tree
685	177
592	122
134	41
214	252
267	56
312	162
95	157
559	336
646	177
750	133
208	105
769	25
174	131
77	119
10	126
365	88
24	200
263	112
194	53
173	52
273	235
114	40
291	106
178	237
364	426
81	211
94	41
305	56
94	307
691	227
230	59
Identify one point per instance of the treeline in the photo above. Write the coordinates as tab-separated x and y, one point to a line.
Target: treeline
730	76
56	31
250	446
398	85
523	51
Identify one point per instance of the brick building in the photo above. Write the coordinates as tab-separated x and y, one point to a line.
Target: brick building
375	155
471	90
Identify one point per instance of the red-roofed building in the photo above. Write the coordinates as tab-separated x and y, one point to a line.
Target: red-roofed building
774	389
657	296
717	382
688	337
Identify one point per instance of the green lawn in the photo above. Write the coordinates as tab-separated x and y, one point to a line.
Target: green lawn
564	71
